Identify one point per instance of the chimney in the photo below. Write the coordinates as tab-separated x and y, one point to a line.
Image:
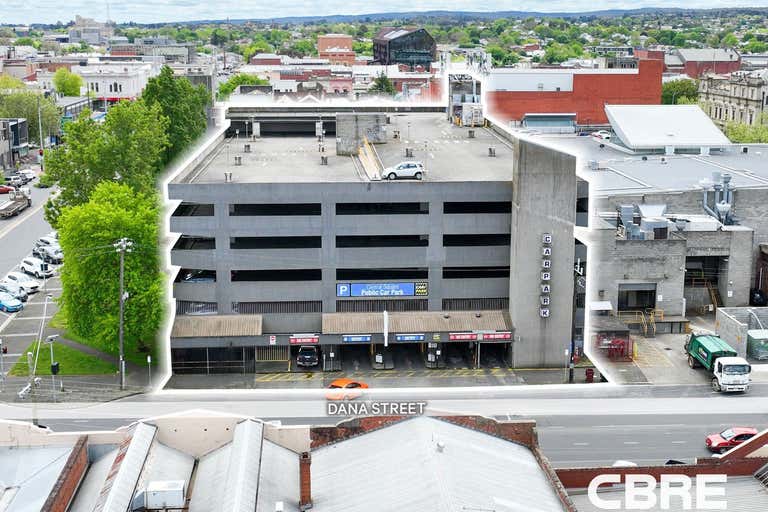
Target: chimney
305	481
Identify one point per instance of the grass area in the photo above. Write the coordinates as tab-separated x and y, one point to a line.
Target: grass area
59	321
71	362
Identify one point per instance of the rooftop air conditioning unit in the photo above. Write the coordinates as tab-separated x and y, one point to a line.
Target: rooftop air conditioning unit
161	495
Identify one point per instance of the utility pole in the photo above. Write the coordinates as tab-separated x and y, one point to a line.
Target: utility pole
122	246
2	365
40	129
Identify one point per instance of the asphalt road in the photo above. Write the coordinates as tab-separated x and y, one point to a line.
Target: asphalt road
580	425
18	234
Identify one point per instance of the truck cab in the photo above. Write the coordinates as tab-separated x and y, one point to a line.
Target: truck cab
729	371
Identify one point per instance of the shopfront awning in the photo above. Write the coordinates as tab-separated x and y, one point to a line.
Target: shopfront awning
214	326
417	322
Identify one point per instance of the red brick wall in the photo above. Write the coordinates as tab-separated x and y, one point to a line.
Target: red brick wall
578	478
336	41
321	436
591	92
69	479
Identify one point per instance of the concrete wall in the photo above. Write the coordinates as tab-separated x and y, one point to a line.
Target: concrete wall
613	262
732	325
328	258
543	201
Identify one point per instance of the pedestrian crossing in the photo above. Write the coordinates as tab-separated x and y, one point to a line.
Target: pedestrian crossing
444	373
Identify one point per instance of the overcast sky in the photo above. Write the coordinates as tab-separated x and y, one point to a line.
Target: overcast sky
153	11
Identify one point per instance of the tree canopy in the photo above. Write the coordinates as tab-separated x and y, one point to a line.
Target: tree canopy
748	134
128	148
383	85
674	91
10	82
24	104
90	297
239	79
67	83
183	104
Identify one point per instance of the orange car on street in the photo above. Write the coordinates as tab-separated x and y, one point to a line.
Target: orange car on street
345	389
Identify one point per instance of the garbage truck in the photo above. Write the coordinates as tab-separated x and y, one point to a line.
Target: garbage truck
729	371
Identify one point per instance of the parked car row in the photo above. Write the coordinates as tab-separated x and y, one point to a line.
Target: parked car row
20	178
17	286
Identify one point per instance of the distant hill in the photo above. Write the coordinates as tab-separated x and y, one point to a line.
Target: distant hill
472	15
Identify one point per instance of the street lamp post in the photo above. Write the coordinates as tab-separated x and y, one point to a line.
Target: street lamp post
149	371
123	245
54	366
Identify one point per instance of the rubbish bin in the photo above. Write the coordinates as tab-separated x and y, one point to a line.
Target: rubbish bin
590	374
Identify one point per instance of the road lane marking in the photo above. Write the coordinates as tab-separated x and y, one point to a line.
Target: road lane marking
679	442
18	222
19	335
580	444
631	442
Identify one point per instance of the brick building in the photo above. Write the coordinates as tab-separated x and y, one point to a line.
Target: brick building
695	62
337	48
514	93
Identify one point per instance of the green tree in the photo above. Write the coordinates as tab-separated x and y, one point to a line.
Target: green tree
302	48
67	83
673	91
383	85
8	82
24	104
234	81
747	134
558	52
729	41
183	104
90	297
128	148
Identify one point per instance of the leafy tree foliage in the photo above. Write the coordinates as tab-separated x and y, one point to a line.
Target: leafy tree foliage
558	52
382	85
90	298
67	83
128	148
183	104
746	134
674	91
10	82
234	81
24	104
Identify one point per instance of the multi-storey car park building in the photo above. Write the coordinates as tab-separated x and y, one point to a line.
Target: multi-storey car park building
288	236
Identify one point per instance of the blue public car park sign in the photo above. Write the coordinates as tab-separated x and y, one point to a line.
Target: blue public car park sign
381	289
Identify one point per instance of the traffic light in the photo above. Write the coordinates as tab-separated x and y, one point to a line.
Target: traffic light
5	349
55	368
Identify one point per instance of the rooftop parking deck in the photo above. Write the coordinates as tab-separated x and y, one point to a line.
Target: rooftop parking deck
447	151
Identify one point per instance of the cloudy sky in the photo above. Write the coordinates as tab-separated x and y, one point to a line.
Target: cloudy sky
148	11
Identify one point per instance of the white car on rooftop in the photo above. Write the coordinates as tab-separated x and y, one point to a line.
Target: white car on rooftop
28	284
404	170
602	134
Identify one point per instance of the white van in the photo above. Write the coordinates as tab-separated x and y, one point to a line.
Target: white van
36	267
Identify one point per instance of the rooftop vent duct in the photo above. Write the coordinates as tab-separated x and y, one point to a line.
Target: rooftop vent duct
227	177
238	160
409	152
324	160
471	134
491	150
247	148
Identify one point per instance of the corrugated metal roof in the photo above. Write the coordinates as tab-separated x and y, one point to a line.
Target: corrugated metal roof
416	322
242	482
117	491
211	326
474	471
27	475
88	492
212	469
278	479
164	464
744	494
708	55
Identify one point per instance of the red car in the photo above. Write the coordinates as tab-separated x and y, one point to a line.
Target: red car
729	438
4	189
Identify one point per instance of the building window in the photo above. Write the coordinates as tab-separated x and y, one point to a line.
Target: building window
476	240
384	274
275	242
194	243
382	241
381	208
478	207
474	272
276	275
189	307
195	275
193	210
268	210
